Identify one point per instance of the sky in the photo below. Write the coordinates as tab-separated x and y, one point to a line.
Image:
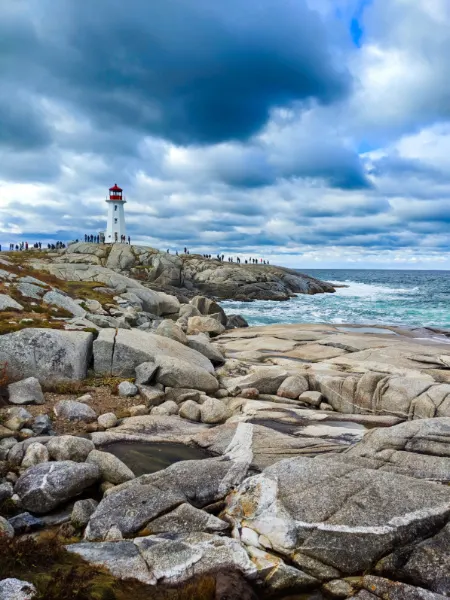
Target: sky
313	133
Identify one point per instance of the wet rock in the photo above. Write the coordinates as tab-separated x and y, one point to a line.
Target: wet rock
69	447
26	391
45	486
82	511
214	411
127	389
292	387
15	589
47	354
190	410
111	468
107	420
74	411
35	454
205	325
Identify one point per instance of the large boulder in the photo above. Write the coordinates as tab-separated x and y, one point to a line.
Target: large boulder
69	447
112	469
169	329
214	411
201	343
74	411
208	307
208	325
119	353
266	380
47	485
47	354
26	391
325	510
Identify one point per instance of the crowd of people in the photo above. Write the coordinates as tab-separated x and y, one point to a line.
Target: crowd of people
100	239
36	246
221	258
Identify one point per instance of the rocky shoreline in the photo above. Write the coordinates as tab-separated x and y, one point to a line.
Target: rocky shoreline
323	451
184	275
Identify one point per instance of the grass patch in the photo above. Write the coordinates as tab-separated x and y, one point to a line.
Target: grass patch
85	386
61	575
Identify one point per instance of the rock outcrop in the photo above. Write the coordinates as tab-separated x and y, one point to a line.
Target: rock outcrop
189	274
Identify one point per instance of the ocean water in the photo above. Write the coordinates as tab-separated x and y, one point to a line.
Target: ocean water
411	298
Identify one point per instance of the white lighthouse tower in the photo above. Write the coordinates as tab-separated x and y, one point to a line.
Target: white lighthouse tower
115	228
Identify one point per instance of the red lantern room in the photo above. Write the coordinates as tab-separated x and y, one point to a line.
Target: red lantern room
115	193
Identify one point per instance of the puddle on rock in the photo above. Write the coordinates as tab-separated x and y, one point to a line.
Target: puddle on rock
149	457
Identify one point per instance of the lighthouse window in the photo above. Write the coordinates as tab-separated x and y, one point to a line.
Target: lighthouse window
115	220
115	206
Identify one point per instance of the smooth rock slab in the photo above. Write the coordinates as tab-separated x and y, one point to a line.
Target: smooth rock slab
328	508
44	486
26	391
419	449
47	354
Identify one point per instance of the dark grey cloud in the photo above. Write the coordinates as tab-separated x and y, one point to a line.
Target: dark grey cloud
188	70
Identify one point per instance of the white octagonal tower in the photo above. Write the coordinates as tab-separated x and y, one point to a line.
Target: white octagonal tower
115	228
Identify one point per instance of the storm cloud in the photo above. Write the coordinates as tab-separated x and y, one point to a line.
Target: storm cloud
287	128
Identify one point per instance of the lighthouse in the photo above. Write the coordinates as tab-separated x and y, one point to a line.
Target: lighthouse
115	228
